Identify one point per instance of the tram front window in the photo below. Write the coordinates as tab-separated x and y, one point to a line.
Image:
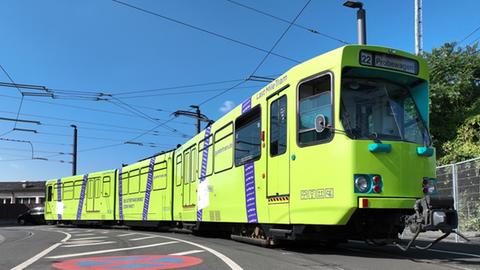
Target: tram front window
379	109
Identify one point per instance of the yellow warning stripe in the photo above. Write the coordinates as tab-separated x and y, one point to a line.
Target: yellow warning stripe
279	199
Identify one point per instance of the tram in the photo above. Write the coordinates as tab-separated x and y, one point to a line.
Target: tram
336	148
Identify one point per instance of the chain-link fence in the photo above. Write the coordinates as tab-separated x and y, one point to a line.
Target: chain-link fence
462	181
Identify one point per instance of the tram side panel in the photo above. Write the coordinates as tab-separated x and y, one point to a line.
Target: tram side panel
80	198
144	191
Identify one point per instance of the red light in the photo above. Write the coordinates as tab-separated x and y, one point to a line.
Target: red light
376	179
364	203
262	136
377	189
425	190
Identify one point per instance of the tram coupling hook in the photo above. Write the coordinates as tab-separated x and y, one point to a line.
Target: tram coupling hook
432	213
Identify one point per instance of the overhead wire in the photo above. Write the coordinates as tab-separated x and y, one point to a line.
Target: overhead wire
185	92
201	29
155	133
311	30
21	100
263	59
91	109
469	35
134	110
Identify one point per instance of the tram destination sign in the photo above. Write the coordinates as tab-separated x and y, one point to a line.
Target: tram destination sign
388	61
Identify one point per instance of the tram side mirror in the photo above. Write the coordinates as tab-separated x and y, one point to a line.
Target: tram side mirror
320	123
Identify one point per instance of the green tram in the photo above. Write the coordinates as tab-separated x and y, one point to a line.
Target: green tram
336	148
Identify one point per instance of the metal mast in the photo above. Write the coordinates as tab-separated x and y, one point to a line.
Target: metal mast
418	27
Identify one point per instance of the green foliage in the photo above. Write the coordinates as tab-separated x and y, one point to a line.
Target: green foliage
469	214
455	101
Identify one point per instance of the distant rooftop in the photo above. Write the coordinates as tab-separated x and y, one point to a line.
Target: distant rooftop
22	186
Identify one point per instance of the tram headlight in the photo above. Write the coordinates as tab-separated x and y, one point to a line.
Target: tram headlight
362	184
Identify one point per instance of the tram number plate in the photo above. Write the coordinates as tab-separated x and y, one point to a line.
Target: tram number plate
366	58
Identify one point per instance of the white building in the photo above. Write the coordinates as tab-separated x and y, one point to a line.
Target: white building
22	192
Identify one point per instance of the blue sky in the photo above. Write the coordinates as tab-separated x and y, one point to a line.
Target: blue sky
104	47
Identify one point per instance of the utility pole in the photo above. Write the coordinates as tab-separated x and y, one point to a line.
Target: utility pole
418	27
361	20
197	115
74	153
197	111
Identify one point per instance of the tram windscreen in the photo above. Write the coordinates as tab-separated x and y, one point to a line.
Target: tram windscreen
381	108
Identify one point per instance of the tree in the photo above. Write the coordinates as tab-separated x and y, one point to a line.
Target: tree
455	101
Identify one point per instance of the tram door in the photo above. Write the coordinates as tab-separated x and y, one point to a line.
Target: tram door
278	163
93	191
189	172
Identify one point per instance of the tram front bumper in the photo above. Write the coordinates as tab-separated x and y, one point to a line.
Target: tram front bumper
386	203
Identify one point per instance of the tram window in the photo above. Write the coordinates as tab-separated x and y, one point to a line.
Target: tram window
125	183
144	178
223	154
201	148
278	126
90	186
314	98
179	171
98	187
186	167
55	194
67	191
77	189
159	175
247	136
106	186
49	193
134	181
193	169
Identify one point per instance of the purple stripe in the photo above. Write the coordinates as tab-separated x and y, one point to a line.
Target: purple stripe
148	189
82	197
246	105
59	195
249	174
120	195
250	196
203	171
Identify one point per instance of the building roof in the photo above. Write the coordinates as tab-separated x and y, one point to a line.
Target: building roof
22	186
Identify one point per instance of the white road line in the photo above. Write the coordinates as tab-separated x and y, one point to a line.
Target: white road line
89	238
126	234
143	238
455	253
233	265
89	244
84	234
188	252
110	250
35	258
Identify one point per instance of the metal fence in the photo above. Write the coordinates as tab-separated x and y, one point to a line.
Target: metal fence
462	181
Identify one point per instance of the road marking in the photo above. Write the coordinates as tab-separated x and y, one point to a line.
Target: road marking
110	250
89	238
143	238
84	234
89	244
187	252
233	265
126	234
455	253
35	258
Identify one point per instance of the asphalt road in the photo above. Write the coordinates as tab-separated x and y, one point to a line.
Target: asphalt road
41	247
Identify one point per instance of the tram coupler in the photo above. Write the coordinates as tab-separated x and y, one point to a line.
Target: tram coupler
432	213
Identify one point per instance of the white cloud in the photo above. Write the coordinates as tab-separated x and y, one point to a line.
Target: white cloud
227	106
